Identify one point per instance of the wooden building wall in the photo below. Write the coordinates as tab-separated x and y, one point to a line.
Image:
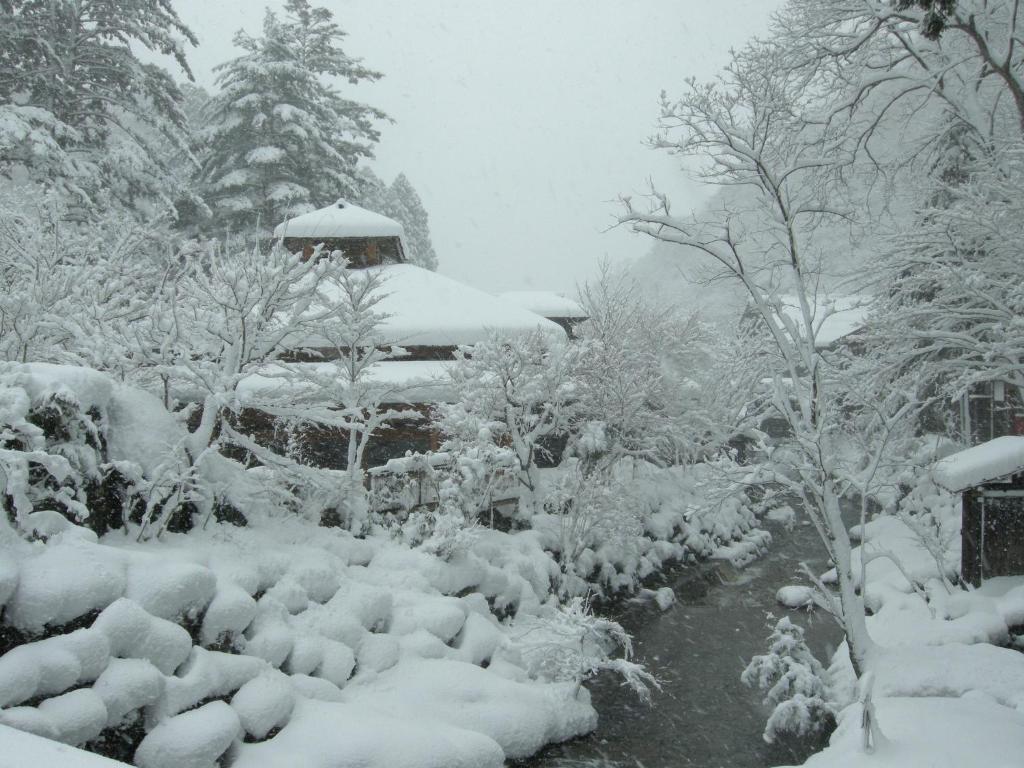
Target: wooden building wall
992	532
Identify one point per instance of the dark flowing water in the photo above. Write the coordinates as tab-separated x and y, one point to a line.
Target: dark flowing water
703	716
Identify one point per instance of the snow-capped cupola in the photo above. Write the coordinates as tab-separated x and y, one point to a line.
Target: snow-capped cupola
366	238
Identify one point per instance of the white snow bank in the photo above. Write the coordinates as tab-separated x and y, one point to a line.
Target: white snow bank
968	732
264	703
339	735
521	717
78	716
19	749
982	463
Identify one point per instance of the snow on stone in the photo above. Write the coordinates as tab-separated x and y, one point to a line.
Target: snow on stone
195	739
79	716
442	616
135	634
520	717
340	219
377	653
342	735
545	303
478	640
19	749
264	703
62	582
337	661
128	685
795	596
168	589
51	666
231	610
206	675
989	461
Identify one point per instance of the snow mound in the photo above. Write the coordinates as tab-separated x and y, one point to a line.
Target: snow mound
968	732
78	716
264	703
521	717
62	582
135	634
195	739
340	735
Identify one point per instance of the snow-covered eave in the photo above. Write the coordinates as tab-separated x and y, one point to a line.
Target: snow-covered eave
989	462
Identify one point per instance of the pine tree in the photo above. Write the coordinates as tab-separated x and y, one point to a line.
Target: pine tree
79	110
403	204
283	140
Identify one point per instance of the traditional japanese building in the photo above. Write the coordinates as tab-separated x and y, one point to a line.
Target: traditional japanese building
428	316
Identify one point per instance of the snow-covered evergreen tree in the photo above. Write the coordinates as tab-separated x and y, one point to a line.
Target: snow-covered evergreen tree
793	683
80	111
283	140
402	203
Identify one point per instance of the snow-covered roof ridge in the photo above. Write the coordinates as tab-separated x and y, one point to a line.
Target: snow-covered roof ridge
340	219
983	463
545	303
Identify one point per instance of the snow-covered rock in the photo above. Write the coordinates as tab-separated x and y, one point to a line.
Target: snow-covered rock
229	613
168	589
79	716
128	685
195	739
264	703
64	581
135	634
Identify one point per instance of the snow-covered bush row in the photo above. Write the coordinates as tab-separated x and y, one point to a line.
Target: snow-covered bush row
609	537
244	641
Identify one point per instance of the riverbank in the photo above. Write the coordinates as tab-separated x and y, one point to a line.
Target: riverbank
703	716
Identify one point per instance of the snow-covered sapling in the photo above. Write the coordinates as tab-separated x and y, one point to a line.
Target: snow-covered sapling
794	685
568	642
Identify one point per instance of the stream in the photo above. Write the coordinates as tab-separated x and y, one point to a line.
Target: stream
703	716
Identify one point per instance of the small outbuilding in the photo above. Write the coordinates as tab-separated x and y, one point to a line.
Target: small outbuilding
548	304
990	479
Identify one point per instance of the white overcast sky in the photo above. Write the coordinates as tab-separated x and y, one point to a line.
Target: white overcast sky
519	121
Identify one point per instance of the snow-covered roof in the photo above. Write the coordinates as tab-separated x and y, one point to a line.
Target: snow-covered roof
411	381
834	318
426	308
545	303
340	219
998	458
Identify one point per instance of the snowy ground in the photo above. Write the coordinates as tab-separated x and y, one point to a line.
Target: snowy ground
946	692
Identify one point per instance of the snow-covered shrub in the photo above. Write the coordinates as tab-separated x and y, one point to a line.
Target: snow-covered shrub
793	682
514	392
567	642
